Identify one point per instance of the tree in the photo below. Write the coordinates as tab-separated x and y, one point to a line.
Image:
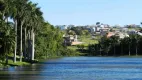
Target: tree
71	32
38	34
7	39
114	41
97	23
137	39
106	43
121	44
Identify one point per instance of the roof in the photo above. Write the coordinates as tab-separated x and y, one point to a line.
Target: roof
110	34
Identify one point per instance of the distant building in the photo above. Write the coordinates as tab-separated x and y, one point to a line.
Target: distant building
139	33
119	34
122	35
109	34
70	39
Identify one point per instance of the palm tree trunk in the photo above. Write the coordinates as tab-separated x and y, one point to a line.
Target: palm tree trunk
6	58
33	40
25	51
29	45
114	50
107	53
136	50
121	49
100	51
21	51
15	51
129	51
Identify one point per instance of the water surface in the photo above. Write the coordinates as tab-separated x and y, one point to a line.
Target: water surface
78	68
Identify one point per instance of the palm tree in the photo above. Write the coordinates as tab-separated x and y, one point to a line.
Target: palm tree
107	45
35	21
114	41
121	44
26	16
137	39
100	47
21	13
128	42
13	15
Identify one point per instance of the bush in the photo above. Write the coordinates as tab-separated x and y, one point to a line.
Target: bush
68	52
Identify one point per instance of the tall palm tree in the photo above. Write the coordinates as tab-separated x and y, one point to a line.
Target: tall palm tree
128	42
121	44
21	13
35	21
114	41
137	39
13	15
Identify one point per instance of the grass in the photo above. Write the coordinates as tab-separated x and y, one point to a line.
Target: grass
72	47
11	63
87	40
18	63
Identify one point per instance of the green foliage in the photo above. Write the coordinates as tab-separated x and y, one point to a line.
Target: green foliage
7	41
81	46
27	18
68	52
48	41
114	46
71	32
81	31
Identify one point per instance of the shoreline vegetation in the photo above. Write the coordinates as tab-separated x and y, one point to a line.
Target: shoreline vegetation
26	63
26	38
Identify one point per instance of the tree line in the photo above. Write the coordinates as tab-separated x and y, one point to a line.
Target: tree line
24	32
114	46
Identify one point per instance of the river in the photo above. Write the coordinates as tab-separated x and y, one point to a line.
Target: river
78	68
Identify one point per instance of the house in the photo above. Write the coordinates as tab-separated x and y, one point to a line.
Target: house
119	34
139	33
102	28
69	39
122	35
109	34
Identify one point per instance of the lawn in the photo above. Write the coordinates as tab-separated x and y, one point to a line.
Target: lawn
11	63
87	40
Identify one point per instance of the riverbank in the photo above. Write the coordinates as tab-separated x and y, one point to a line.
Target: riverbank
11	63
25	63
74	68
18	63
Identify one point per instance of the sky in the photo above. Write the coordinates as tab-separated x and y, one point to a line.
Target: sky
88	12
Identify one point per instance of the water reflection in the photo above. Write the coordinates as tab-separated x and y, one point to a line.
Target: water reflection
78	68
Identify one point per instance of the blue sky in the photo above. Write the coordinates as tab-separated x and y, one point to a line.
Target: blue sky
88	12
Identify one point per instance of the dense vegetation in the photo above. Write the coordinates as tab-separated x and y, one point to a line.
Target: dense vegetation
78	30
114	46
25	35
